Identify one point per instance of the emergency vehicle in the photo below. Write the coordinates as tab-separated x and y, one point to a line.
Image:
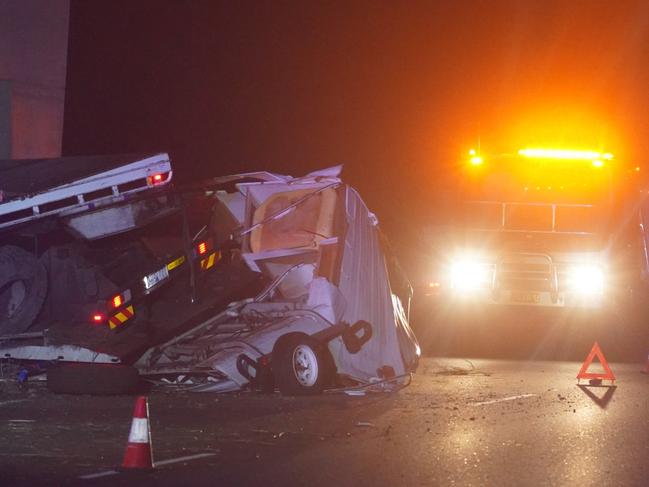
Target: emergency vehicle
539	227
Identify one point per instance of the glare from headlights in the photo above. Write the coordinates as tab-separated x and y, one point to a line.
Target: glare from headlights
586	279
468	275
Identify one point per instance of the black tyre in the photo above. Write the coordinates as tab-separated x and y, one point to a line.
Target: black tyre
23	287
96	379
300	365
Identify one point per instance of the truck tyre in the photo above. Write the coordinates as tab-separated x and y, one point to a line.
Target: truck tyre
23	287
300	365
95	379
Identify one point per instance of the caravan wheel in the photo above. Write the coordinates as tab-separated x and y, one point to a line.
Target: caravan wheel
300	365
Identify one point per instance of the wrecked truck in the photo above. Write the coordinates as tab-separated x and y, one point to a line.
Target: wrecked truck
61	255
89	247
327	313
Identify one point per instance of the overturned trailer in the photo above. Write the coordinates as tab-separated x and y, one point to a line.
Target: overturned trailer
328	314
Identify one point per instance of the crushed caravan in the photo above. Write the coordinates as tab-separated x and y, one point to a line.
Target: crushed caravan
329	314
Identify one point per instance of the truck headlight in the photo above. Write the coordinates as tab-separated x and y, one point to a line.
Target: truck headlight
586	279
468	275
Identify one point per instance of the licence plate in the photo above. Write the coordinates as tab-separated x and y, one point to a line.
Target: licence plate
156	277
525	297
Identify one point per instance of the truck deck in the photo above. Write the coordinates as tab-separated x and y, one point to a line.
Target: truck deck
169	316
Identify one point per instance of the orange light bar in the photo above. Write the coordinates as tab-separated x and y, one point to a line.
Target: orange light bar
476	160
575	155
117	301
202	248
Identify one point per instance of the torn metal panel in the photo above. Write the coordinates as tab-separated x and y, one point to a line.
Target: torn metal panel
365	285
63	353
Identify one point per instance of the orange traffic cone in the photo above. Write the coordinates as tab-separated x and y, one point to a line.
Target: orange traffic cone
138	453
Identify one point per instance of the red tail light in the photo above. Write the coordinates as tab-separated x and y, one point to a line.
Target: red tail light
202	248
157	178
97	318
119	300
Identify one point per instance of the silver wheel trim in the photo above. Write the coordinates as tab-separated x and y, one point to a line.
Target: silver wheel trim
305	365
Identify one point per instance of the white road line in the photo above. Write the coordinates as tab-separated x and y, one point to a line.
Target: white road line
100	474
13	401
184	459
156	464
502	399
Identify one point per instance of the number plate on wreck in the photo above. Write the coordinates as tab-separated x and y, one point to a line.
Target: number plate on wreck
155	277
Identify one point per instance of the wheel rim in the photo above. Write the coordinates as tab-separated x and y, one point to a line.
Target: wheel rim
305	365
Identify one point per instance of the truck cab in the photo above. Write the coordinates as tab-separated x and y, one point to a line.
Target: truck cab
539	227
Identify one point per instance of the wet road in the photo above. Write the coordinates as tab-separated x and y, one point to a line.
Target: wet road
482	422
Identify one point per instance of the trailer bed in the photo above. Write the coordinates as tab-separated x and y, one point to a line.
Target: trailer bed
35	188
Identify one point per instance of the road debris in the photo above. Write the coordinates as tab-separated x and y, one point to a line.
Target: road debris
502	399
354	392
447	369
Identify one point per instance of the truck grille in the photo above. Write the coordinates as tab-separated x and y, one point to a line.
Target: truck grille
527	273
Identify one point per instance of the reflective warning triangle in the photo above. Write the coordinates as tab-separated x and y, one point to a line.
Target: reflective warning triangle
596	352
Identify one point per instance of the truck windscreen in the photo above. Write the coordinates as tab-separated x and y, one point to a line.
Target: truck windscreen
517	179
561	218
537	195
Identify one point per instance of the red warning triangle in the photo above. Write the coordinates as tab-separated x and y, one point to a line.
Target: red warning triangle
596	352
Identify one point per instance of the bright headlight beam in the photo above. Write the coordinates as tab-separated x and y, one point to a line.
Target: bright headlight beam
586	279
468	275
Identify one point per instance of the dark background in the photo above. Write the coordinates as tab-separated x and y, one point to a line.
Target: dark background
396	91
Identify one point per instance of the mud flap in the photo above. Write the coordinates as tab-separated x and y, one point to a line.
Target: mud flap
353	342
262	380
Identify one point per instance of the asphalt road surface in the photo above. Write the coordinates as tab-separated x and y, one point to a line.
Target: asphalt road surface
478	422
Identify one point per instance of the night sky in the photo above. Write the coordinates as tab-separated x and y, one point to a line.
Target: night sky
396	91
